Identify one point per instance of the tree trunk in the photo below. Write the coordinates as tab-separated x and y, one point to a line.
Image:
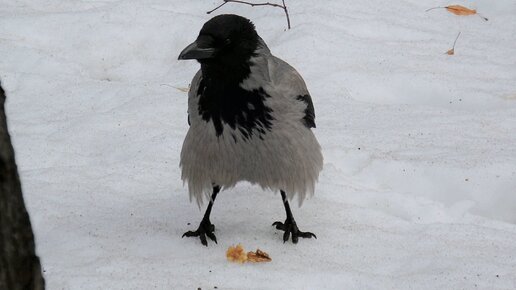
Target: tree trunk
19	265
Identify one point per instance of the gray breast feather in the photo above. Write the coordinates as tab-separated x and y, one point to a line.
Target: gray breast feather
281	81
192	93
285	73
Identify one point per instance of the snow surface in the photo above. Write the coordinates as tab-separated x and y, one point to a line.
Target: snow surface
419	185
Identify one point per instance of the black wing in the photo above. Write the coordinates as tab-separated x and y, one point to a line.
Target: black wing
309	118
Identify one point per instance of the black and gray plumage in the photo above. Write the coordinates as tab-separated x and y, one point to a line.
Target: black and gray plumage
251	119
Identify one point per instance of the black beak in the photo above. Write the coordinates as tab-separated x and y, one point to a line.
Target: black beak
193	51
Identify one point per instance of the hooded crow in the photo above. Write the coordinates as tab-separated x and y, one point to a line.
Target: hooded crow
250	117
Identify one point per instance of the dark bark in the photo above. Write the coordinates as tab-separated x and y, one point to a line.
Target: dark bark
19	265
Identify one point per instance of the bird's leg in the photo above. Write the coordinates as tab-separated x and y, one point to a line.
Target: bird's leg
206	228
290	226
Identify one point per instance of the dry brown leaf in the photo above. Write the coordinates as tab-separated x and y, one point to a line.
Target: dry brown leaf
460	10
258	257
450	52
236	254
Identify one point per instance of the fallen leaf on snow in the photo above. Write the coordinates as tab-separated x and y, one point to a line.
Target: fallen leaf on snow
460	10
258	257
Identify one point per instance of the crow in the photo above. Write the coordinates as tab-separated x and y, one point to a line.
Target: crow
250	117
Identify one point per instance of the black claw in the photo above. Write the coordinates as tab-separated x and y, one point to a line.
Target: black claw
212	236
290	228
205	229
294	239
202	236
279	225
307	235
190	234
286	235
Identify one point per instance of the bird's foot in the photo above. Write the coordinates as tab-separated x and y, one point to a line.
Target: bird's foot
206	228
290	228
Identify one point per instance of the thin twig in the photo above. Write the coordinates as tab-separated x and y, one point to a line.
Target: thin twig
284	7
286	13
455	41
452	50
209	12
485	18
433	8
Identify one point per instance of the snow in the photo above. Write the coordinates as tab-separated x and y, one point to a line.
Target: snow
418	189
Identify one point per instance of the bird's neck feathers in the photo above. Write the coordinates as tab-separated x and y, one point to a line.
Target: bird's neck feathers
218	74
232	70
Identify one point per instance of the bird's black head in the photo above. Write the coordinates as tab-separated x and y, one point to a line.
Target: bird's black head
226	42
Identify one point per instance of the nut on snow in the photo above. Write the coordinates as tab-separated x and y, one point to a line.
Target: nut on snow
236	254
